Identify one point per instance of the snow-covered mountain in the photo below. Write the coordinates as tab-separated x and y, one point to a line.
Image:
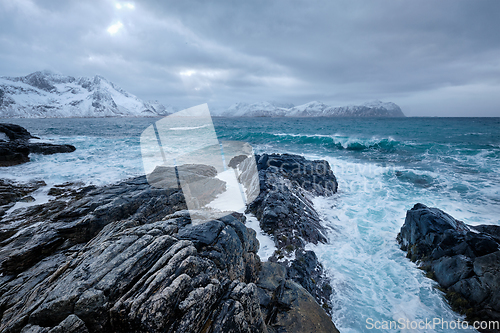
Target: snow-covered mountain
261	109
315	109
48	95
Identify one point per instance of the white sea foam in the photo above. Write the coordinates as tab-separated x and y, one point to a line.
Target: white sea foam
371	276
232	199
34	140
267	246
97	160
188	128
39	196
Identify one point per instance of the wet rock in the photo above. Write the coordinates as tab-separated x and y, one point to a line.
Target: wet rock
90	306
34	329
72	324
285	211
13	154
449	270
464	260
69	189
288	307
17	148
305	314
49	149
202	234
129	257
11	192
283	206
119	259
15	132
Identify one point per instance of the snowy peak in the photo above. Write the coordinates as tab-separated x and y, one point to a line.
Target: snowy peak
48	95
370	109
310	109
261	109
315	109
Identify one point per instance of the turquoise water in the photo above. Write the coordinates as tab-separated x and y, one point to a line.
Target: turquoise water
384	167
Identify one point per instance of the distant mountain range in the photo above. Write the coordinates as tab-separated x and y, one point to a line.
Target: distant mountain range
314	109
48	95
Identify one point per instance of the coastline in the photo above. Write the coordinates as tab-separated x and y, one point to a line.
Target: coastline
343	203
125	237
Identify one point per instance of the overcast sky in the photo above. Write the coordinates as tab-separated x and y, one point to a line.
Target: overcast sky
433	58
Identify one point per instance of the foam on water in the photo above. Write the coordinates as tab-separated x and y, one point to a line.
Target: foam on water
97	160
371	276
39	196
232	198
266	243
384	167
188	128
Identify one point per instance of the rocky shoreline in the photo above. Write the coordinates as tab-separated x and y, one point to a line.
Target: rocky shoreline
130	258
463	259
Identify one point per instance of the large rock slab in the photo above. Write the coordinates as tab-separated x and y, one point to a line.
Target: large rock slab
287	306
118	259
129	257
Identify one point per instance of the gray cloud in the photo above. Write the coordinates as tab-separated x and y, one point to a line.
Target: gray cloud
431	57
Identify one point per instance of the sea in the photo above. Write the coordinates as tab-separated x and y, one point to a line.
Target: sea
384	166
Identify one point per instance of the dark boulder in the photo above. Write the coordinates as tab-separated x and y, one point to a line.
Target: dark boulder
203	234
13	154
284	207
15	132
49	149
287	306
15	146
464	260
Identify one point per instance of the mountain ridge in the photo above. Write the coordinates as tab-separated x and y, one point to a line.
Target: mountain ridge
314	109
44	94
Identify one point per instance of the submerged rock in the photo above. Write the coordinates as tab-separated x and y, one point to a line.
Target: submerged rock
15	146
463	259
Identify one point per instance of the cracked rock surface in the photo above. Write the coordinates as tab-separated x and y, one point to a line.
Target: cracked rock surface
130	258
285	210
